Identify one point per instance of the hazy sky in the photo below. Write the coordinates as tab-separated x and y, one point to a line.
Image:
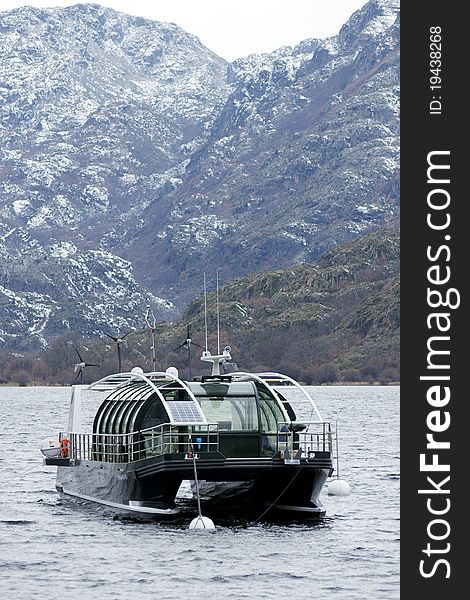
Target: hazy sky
234	28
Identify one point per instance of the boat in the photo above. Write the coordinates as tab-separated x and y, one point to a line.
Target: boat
247	439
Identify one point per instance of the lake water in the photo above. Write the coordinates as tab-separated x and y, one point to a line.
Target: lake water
60	548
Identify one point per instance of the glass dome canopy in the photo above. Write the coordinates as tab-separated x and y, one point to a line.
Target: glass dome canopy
142	401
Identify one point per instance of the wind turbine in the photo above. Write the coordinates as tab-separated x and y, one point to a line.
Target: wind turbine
79	367
120	340
187	344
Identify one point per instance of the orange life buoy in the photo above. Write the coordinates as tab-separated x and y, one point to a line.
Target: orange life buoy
64	447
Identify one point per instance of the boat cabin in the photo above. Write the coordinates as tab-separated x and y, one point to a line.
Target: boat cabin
247	416
153	415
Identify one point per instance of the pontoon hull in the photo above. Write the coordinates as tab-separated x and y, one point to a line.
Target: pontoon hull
150	486
283	493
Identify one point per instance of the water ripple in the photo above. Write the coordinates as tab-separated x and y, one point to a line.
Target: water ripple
83	550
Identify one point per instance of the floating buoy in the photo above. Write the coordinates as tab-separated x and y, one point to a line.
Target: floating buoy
50	447
201	522
338	487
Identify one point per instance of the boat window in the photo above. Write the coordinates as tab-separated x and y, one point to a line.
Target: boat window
270	411
126	415
232	413
288	408
175	394
154	415
271	415
123	409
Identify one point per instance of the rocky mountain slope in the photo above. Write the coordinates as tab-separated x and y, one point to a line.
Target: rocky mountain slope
303	155
97	110
335	318
132	158
342	309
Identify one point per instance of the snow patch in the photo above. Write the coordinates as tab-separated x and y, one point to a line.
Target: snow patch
63	250
20	205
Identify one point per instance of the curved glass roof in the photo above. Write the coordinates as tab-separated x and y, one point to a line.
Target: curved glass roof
138	402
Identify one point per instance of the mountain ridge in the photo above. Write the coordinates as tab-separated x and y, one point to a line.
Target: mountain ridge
151	156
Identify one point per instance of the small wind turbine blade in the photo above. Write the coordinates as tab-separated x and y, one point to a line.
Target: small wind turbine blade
180	346
194	344
126	334
77	375
111	336
81	359
91	365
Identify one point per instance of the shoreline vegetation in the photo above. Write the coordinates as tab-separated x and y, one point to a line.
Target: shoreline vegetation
55	366
15	384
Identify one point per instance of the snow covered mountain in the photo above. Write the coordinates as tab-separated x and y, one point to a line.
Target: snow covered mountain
131	155
97	111
303	155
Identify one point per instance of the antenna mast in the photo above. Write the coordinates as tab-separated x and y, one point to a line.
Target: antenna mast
219	358
205	306
188	341
151	323
218	314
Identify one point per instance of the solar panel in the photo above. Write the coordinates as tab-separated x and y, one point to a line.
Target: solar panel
185	411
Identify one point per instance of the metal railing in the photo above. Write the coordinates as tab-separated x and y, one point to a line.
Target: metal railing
147	443
310	437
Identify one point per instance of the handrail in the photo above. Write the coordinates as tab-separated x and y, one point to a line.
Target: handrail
166	438
315	437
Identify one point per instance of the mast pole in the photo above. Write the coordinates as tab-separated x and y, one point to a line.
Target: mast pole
151	325
189	353
205	306
218	314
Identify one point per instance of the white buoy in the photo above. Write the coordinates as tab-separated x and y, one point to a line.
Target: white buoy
338	487
201	522
50	447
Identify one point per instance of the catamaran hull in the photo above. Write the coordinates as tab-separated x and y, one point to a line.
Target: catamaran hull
149	487
117	488
292	493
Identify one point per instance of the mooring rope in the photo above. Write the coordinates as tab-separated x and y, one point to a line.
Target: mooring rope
41	464
274	502
197	483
